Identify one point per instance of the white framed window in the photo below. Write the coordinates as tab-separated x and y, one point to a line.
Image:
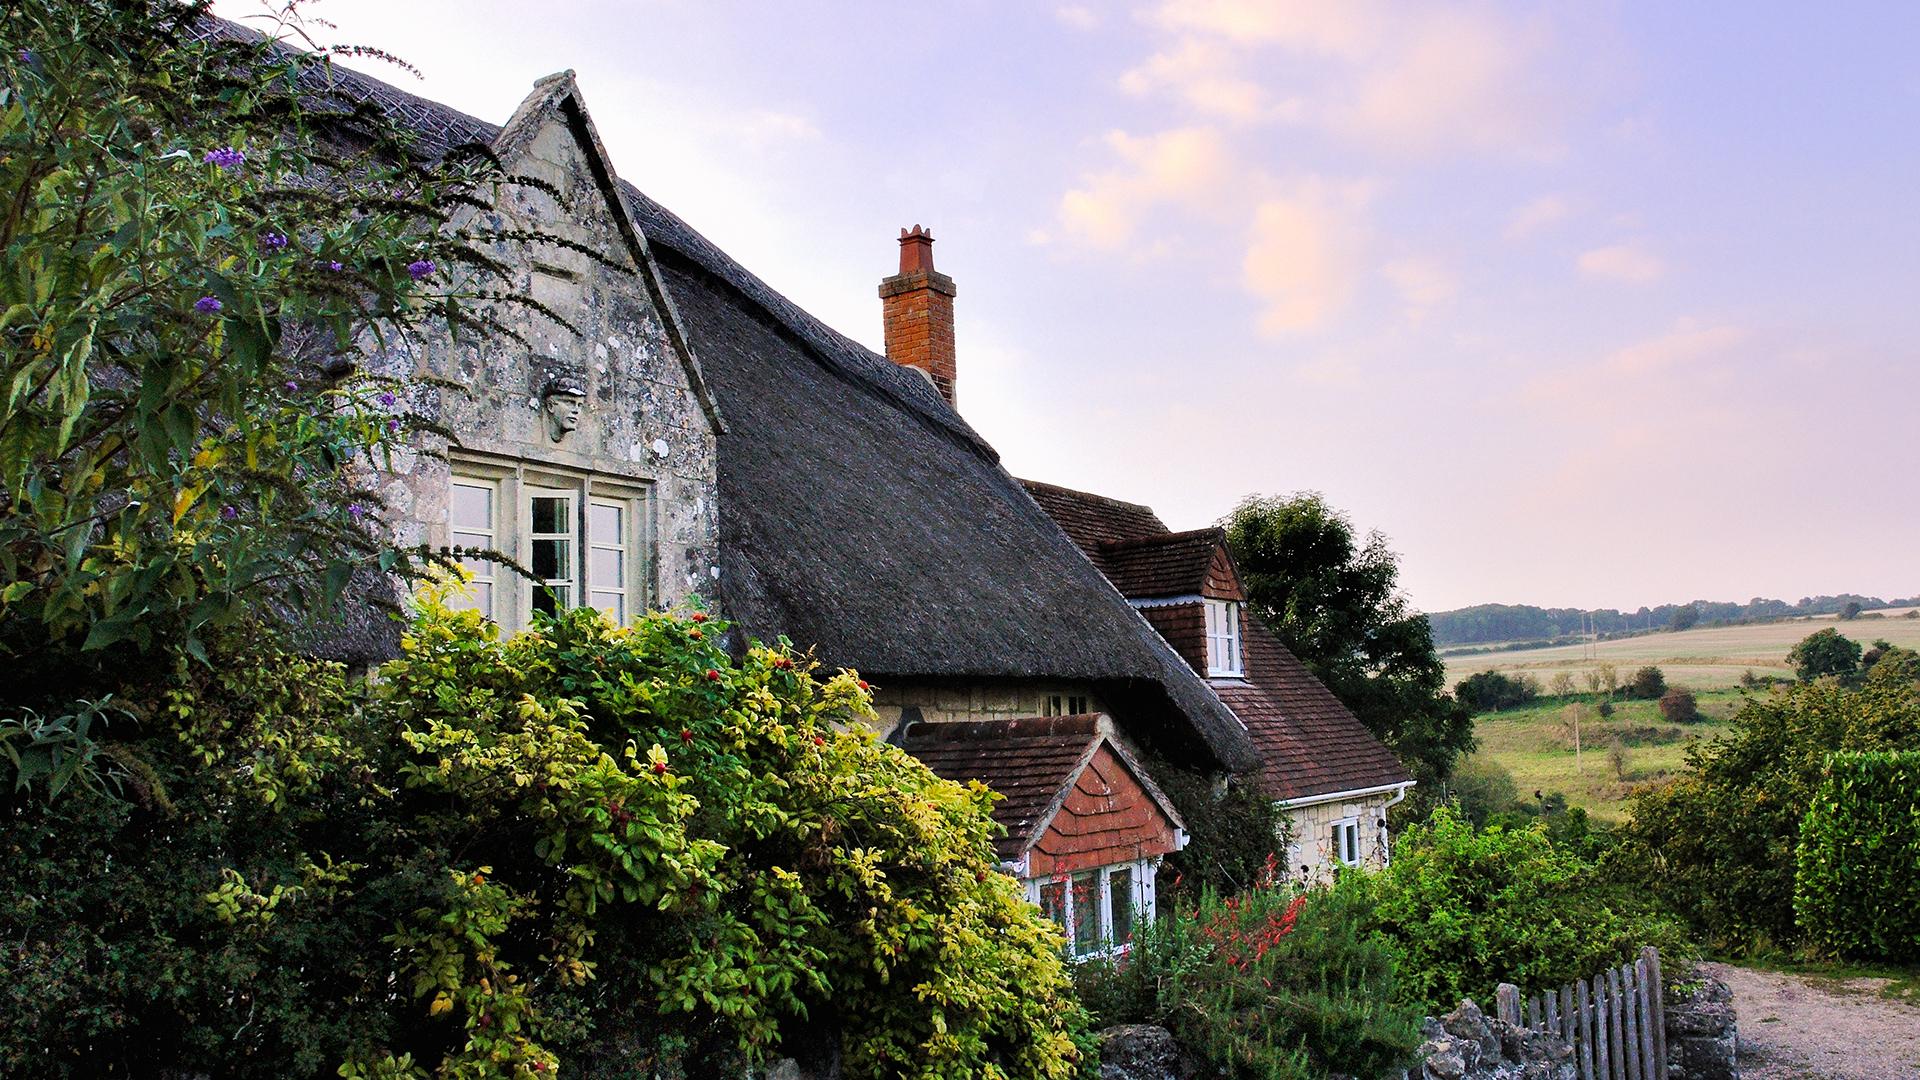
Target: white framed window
473	521
585	538
1223	637
1099	910
1066	705
1346	841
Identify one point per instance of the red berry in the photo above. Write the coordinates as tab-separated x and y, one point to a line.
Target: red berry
863	684
818	741
712	675
699	616
695	634
659	768
686	735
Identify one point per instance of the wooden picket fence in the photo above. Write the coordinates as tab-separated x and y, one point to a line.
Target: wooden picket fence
1615	1021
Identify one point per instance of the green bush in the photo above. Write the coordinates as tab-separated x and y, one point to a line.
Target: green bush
1274	983
604	849
1857	887
1823	653
1469	908
1716	844
1491	691
1648	683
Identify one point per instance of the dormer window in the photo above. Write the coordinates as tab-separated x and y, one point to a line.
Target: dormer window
1223	637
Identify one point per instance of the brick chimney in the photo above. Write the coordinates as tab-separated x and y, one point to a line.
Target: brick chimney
917	304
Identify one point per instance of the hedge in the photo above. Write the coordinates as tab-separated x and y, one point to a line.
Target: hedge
1857	889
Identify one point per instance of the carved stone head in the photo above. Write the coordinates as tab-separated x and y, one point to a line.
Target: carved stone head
561	402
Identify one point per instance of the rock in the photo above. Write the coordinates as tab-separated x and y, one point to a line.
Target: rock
1141	1052
1702	1032
1466	1044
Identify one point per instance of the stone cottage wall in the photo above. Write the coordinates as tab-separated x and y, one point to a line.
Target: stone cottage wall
1310	852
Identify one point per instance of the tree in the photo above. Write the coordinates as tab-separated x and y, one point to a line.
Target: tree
1825	652
1648	682
1561	684
1604	679
1680	707
1684	617
1491	691
1335	601
1850	611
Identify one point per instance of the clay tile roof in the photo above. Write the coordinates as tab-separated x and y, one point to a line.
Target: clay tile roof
1156	566
1029	762
1091	521
1312	744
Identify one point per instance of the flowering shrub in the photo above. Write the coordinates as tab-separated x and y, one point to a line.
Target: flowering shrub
1274	983
584	848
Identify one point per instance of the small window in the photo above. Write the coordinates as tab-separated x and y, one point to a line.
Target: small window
474	523
1053	902
1120	900
607	557
1223	637
1089	935
1066	705
1346	841
554	533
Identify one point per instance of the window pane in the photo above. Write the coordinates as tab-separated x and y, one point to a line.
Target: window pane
551	514
1053	897
1086	913
483	541
606	569
613	603
472	507
478	596
551	559
1120	893
603	524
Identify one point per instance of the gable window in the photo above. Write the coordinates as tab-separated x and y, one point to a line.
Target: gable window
1223	637
1098	910
581	536
1346	841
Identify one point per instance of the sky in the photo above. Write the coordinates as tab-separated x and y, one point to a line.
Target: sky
1598	306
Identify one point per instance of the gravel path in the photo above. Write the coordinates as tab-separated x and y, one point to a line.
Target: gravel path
1798	1027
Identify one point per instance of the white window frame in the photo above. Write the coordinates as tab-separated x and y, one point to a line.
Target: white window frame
1346	831
1142	891
570	536
484	573
621	544
515	484
1223	638
1066	705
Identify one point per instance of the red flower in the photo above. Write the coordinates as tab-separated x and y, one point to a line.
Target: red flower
686	735
713	675
659	768
695	634
699	616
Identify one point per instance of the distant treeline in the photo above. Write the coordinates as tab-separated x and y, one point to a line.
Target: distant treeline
1540	627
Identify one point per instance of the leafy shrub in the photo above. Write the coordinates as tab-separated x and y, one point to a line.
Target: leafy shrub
1679	706
1857	884
1647	683
1273	984
1482	787
1716	844
1233	835
1469	908
1825	652
1490	691
584	845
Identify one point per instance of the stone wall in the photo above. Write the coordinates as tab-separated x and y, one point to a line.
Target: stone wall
1310	852
986	699
1702	1033
1467	1044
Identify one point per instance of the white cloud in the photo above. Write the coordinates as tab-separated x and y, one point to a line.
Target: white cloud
1077	16
1686	344
1536	215
1350	28
1630	262
1305	255
1621	379
1203	73
1182	166
1424	283
767	126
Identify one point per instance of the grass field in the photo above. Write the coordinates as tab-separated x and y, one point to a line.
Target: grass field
1711	658
1533	745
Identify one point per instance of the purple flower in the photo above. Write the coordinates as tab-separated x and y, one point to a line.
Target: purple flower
336	266
356	511
393	425
387	400
228	512
273	241
419	268
207	305
226	157
26	56
292	387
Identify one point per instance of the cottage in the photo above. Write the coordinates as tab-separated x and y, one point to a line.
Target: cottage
1319	762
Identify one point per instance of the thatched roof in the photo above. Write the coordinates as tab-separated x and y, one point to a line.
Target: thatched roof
860	515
